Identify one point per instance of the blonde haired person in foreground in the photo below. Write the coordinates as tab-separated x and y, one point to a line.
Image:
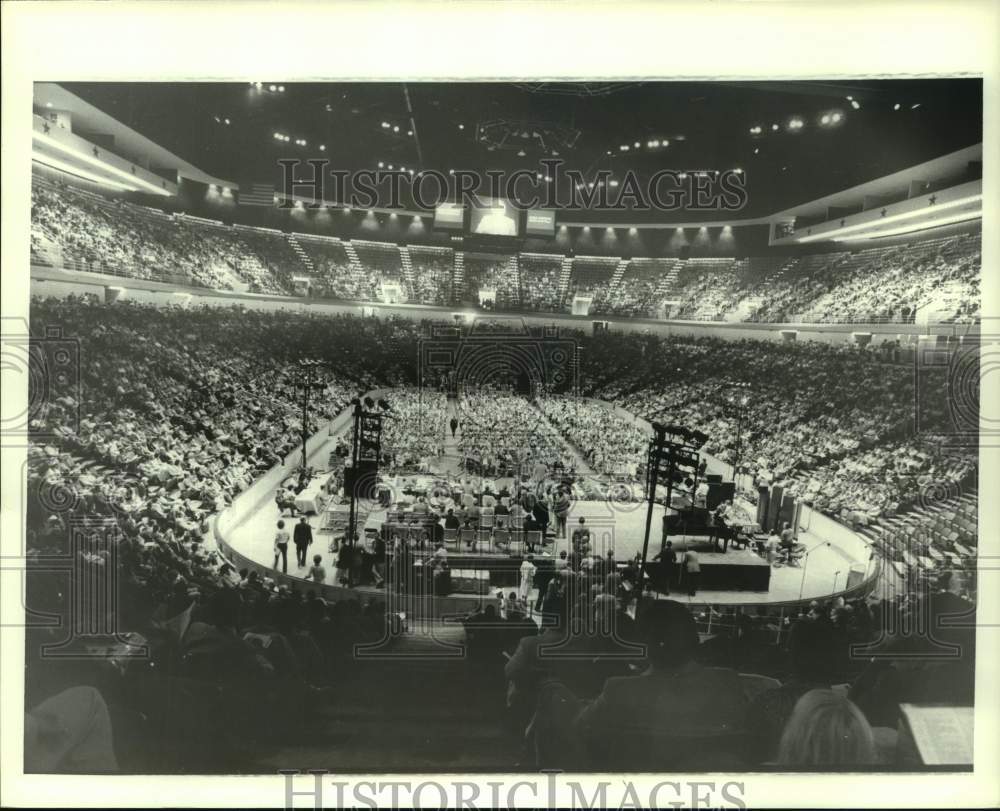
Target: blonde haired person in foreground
827	729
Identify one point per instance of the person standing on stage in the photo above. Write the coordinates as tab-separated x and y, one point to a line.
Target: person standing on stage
281	547
528	570
692	571
303	540
454	426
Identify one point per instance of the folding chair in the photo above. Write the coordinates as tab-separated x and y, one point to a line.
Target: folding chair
501	539
467	536
450	536
484	538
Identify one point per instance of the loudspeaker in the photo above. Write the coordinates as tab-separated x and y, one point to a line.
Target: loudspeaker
713	478
773	506
787	511
719	492
362	481
763	498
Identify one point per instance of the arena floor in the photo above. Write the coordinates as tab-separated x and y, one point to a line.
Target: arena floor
613	525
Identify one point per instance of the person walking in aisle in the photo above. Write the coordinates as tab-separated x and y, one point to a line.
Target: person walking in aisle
303	538
281	547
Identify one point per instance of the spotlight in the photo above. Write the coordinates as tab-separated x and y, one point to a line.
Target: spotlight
738	171
774	128
451	171
609	151
227	122
825	119
390	167
281	88
385	125
756	150
614	184
755	130
795	124
624	147
396	128
381	165
322	147
836	117
855	105
636	144
461	126
895	106
273	88
410	133
914	106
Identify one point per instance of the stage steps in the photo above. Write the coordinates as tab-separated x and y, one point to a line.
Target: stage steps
564	277
458	277
407	262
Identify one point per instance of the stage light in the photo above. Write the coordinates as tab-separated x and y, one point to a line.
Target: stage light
855	105
795	124
322	147
636	144
614	184
277	135
738	171
835	118
682	176
385	125
849	98
914	106
396	128
390	167
48	104
451	171
825	119
411	172
227	122
609	151
409	132
402	168
896	106
548	179
774	128
756	150
755	130
281	88
288	138
461	126
624	147
273	88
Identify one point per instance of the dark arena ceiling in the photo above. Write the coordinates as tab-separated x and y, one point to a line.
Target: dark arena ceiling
795	140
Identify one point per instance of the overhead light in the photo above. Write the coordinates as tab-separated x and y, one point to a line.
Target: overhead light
409	132
855	105
836	117
849	98
756	150
614	184
609	151
896	106
461	126
738	171
381	165
775	128
396	128
755	130
227	121
795	124
322	147
390	167
624	147
281	88
411	171
385	125
48	104
914	106
273	88
636	144
825	119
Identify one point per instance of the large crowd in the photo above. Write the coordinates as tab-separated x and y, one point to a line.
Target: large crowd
939	277
176	411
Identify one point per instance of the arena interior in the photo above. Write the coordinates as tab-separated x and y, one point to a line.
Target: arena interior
377	490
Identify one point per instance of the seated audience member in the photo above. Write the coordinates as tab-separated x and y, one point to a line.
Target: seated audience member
69	733
677	714
827	730
817	655
317	573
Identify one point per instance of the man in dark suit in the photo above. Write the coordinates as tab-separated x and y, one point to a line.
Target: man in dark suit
677	714
303	540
